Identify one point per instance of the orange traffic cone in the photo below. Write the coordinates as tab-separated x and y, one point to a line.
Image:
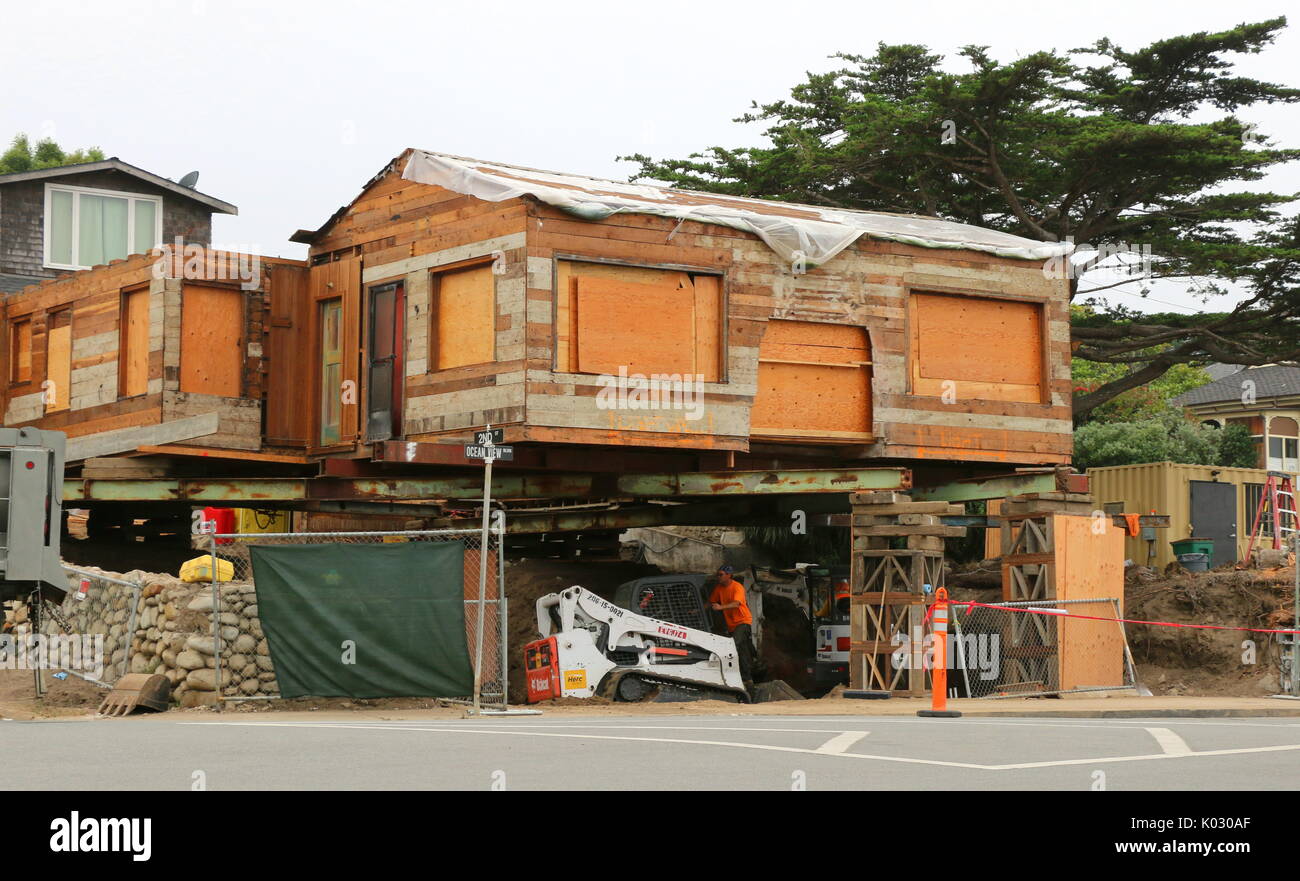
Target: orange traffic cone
939	662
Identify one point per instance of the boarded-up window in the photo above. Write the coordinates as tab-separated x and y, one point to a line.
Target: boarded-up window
20	350
1283	426
212	340
977	348
58	360
133	344
462	312
814	382
611	317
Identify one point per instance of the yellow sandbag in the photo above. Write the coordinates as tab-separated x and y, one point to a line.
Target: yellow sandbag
200	569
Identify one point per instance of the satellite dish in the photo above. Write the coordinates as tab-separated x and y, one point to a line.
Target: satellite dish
190	180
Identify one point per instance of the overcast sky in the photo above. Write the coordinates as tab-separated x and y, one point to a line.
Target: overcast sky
287	108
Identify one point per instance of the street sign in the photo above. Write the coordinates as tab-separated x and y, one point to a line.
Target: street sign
488	437
479	451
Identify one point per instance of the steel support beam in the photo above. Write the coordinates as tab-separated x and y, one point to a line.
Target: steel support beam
470	486
270	490
743	483
1001	486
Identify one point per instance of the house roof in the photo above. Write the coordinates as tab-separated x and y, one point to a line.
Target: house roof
787	227
115	164
1219	371
1272	381
790	229
10	284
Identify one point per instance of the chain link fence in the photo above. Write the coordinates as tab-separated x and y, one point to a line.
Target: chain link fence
244	670
1041	647
92	633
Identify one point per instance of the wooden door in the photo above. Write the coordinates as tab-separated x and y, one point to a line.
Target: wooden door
384	360
336	341
331	372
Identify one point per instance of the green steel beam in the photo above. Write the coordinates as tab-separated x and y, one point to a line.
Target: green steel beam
504	486
744	483
992	487
269	490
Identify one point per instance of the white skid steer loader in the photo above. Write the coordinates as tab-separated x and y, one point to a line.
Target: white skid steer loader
591	647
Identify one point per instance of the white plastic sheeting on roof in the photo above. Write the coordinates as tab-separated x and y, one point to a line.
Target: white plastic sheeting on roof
792	231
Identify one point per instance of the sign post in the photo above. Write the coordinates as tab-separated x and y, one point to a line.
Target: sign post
487	447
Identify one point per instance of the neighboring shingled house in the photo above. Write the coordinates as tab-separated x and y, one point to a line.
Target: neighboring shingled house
1264	399
58	220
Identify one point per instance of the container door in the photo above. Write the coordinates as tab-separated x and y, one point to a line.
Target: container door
1214	516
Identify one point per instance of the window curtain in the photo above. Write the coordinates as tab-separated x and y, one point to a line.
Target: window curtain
145	229
61	227
102	235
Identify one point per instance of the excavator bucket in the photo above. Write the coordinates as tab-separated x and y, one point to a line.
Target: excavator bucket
135	691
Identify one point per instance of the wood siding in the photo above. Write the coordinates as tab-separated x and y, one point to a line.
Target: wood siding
575	301
128	349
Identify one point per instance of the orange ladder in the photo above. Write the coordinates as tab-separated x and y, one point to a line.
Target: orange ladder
1279	498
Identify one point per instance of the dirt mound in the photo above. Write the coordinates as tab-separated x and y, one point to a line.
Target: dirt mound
787	643
1194	661
63	697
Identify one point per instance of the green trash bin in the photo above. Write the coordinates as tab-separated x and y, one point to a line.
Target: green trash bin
1194	546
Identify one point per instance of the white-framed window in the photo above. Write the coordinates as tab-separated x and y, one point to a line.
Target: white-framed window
1284	454
86	227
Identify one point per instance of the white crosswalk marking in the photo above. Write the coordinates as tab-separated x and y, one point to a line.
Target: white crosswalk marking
1171	743
841	742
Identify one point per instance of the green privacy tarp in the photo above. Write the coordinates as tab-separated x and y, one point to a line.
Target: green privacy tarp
346	620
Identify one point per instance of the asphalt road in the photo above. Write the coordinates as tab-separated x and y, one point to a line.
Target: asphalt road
660	752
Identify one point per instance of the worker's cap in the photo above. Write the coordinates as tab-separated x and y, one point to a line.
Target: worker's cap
726	569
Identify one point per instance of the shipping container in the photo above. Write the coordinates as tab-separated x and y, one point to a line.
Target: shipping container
1202	501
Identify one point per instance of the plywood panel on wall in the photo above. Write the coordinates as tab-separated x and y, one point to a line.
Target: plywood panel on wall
1089	565
708	327
976	348
212	337
464	310
814	382
642	328
58	361
133	343
698	302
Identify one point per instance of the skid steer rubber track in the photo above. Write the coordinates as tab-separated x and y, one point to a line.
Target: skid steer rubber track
634	686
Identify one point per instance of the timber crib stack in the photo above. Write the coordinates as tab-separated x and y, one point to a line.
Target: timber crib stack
897	550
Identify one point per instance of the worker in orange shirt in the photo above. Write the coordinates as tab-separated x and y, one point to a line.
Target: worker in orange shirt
728	597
